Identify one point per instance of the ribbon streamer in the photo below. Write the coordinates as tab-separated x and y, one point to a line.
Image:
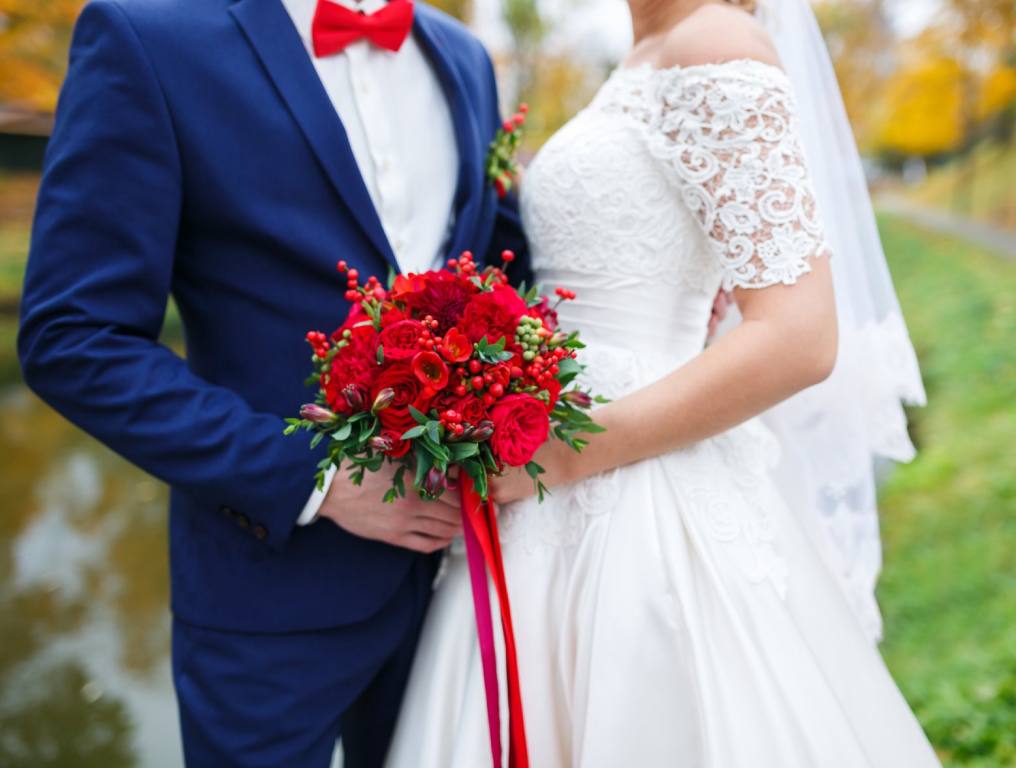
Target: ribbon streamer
483	554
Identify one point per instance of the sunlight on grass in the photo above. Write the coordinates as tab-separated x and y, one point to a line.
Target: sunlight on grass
949	519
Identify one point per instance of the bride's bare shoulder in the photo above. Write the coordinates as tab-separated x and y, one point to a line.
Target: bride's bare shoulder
716	33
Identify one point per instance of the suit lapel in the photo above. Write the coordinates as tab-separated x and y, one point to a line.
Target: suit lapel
468	196
270	31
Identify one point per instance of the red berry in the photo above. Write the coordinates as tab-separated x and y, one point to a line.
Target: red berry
508	126
488	400
497	390
478	382
458	429
516	372
460	390
342	266
508	256
524	108
475	366
353	274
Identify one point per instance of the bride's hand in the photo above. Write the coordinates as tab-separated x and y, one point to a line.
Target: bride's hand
515	484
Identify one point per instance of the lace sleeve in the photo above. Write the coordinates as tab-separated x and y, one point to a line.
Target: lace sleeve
730	134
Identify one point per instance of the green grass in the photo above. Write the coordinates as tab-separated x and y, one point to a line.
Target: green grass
980	185
13	250
949	519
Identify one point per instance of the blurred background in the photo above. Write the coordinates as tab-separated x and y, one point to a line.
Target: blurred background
930	86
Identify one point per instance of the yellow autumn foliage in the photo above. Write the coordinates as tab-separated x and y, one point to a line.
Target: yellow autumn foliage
923	108
34	38
997	92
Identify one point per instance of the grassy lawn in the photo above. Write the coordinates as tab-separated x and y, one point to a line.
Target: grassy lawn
949	519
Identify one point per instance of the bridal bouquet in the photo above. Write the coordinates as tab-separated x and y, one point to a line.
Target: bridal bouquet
451	368
447	368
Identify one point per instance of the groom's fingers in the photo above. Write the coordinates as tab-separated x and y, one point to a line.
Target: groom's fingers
441	529
446	512
426	544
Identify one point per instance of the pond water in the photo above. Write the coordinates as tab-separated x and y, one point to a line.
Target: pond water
84	644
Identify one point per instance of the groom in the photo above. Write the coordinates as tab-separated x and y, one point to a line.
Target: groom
230	152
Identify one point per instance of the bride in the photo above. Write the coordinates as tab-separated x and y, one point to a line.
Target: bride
697	590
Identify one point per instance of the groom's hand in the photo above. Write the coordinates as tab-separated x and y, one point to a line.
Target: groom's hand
423	526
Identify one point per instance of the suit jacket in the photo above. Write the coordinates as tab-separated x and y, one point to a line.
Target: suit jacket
197	154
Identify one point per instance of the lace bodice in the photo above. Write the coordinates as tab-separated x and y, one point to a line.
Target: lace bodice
668	185
689	177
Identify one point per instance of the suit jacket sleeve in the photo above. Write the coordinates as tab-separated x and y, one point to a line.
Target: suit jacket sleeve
97	284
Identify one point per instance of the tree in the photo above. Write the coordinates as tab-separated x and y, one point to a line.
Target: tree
460	9
860	43
34	38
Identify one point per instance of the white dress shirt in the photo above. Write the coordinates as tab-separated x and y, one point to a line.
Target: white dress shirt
400	129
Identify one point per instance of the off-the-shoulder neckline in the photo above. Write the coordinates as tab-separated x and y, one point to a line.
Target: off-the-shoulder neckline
647	67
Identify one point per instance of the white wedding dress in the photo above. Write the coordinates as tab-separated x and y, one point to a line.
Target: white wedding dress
676	612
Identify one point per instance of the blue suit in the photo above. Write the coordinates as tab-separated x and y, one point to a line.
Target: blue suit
197	154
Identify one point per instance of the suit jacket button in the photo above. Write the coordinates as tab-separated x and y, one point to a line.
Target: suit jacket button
261	532
242	521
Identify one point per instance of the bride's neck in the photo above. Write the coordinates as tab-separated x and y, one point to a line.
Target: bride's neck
650	18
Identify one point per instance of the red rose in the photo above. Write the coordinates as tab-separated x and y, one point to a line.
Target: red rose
521	426
430	370
494	314
390	315
399	339
471	409
406	389
441	295
353	364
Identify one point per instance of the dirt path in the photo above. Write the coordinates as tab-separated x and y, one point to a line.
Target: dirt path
999	240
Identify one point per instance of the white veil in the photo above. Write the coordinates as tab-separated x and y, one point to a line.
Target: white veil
834	435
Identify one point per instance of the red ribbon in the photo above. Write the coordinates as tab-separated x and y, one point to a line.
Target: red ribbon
483	552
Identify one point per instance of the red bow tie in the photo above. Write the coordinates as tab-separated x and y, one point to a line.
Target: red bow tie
336	26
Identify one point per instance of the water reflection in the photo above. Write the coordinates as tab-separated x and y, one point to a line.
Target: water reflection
84	668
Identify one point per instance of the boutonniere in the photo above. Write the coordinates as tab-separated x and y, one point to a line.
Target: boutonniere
502	167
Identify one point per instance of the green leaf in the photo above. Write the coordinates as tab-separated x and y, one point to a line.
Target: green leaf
399	480
343	432
569	368
534	470
414	432
462	451
380	354
433	432
421	418
316	440
424	461
390	281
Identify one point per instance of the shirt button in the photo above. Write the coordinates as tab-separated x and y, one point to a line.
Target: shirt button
260	532
242	521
